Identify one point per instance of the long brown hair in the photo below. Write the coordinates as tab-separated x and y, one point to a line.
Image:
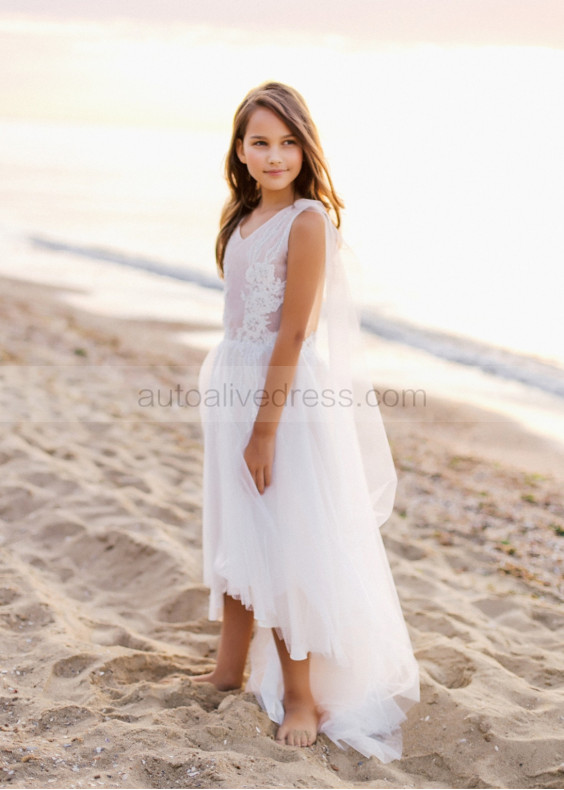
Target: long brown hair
313	182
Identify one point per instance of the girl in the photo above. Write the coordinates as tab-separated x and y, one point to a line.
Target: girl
298	475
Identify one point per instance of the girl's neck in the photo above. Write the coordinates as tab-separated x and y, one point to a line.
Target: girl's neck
274	201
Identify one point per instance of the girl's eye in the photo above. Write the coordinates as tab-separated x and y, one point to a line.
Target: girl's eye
262	142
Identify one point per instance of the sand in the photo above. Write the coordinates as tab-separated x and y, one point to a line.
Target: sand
103	611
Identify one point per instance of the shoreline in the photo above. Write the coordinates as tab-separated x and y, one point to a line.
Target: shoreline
498	411
104	615
534	370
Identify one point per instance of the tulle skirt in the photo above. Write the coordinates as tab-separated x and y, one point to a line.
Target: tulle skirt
305	556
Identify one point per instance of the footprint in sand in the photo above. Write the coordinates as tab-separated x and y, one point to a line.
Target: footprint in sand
550	618
122	480
118	562
52	482
540	671
409	551
186	606
69	678
125	670
114	635
16	502
495	606
55	531
8	595
28	617
128	680
447	666
61	718
74	665
438	623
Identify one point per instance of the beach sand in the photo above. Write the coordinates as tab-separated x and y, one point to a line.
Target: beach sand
103	611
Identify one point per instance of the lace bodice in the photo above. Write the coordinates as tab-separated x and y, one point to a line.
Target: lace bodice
255	276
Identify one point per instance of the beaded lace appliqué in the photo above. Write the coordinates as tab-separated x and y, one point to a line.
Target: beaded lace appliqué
264	296
264	292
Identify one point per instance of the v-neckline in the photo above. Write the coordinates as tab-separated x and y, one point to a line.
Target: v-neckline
245	238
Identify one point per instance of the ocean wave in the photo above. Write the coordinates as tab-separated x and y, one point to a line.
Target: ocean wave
462	350
139	262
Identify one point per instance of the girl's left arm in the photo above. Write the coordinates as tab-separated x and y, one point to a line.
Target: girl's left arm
304	277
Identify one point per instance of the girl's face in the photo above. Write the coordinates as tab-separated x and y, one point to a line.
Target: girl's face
271	152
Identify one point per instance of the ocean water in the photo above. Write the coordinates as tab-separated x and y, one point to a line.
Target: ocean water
149	200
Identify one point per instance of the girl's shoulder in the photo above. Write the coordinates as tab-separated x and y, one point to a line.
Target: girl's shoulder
308	206
309	218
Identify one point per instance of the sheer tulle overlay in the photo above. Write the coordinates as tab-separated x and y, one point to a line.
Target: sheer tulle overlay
306	555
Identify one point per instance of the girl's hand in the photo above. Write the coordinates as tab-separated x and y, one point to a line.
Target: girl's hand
259	457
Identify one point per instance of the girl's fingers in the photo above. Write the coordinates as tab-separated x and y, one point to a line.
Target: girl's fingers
262	478
259	479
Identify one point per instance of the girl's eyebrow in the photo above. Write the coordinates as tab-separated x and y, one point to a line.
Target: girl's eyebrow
264	136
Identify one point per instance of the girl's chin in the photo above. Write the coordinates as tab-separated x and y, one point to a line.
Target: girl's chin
276	179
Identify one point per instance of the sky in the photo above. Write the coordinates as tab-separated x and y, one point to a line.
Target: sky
444	22
182	63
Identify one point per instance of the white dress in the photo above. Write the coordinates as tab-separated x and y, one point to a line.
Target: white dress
306	555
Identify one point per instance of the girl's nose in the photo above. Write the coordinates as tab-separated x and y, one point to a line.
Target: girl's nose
274	156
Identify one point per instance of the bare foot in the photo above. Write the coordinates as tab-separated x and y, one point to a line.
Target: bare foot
221	683
300	725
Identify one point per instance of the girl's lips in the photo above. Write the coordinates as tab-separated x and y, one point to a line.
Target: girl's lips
274	172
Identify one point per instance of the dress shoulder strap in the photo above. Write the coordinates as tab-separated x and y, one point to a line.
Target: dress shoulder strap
306	204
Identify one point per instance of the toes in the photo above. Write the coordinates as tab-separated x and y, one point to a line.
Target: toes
201	678
295	737
298	738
